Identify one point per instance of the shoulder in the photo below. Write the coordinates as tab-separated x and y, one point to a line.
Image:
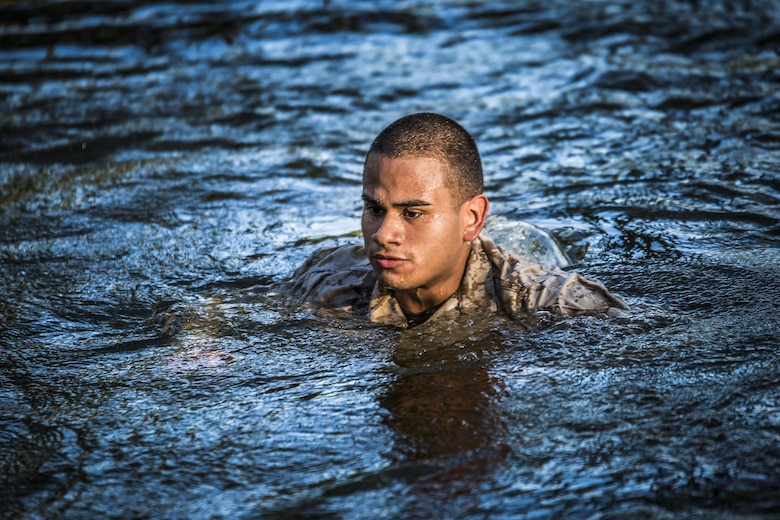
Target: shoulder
338	277
344	257
524	286
510	269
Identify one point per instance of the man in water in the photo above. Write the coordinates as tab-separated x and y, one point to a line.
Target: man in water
424	256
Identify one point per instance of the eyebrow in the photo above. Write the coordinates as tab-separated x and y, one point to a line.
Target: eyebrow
404	204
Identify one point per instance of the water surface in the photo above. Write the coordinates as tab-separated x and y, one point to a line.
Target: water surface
177	156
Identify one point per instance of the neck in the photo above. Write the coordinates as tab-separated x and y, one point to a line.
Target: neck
413	302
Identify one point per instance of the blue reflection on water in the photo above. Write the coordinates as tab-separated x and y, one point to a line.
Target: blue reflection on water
160	157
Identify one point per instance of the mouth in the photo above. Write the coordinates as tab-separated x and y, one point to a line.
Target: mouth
388	261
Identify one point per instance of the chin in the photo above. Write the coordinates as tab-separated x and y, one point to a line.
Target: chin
391	282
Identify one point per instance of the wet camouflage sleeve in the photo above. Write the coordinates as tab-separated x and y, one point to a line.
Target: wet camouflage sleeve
339	278
525	288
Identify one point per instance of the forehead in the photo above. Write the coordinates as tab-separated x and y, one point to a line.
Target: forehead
406	177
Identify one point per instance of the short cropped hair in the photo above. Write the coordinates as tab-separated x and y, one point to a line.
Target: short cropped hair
429	135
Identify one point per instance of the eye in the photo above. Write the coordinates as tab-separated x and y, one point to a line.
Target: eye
412	214
373	210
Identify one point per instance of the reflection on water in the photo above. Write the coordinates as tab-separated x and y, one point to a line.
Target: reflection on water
438	412
443	412
161	163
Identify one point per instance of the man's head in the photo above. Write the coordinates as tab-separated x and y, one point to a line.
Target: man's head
433	136
423	205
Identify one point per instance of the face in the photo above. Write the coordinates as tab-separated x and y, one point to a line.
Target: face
417	237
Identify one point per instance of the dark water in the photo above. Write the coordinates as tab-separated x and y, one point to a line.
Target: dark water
158	156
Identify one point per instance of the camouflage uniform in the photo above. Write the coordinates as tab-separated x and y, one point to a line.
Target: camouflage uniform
494	280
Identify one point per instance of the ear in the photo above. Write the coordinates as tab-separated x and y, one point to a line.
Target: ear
473	214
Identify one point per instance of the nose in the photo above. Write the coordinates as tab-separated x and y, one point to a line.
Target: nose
390	231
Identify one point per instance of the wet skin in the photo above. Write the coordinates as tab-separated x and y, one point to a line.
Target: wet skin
417	237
